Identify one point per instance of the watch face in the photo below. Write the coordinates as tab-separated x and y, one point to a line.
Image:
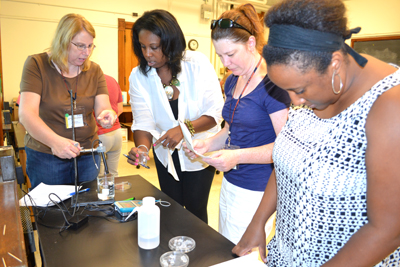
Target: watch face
193	44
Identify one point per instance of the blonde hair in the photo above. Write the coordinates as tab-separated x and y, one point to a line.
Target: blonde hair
246	16
68	27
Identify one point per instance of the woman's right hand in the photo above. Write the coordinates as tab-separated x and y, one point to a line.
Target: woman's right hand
66	148
199	145
253	237
134	155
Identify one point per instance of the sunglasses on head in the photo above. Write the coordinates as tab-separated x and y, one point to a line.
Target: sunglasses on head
227	23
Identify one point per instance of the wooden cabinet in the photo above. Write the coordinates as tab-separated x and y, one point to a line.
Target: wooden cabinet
12	244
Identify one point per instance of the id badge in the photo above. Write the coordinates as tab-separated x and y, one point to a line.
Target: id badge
227	146
79	118
232	147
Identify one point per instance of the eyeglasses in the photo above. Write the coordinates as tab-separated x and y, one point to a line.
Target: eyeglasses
227	23
82	47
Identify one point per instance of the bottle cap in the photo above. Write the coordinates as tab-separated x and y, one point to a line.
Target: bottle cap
149	201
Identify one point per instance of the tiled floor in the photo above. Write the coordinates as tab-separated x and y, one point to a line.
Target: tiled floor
124	168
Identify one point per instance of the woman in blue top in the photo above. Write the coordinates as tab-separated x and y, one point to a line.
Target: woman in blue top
255	111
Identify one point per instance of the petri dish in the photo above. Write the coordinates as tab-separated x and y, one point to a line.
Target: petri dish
123	186
182	244
174	259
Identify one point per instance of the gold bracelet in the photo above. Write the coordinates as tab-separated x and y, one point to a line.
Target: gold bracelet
189	125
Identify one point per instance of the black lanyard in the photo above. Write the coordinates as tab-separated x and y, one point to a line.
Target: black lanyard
76	86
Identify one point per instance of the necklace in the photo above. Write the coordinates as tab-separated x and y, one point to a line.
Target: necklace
169	91
76	86
237	102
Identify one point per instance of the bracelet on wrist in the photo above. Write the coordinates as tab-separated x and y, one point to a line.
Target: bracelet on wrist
190	127
143	146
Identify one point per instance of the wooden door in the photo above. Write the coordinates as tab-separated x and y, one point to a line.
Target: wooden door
1	99
126	58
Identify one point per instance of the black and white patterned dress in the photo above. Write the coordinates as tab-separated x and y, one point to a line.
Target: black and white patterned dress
322	183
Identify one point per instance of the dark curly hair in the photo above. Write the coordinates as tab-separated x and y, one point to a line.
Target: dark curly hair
322	15
246	16
173	43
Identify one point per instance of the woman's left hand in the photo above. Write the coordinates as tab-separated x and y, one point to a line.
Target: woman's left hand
107	118
224	160
171	138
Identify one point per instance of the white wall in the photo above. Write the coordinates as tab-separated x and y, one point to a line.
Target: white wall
376	18
27	27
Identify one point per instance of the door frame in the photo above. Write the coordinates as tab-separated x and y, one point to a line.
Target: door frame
122	26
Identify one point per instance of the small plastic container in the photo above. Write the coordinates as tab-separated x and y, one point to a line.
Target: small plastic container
182	244
174	259
123	186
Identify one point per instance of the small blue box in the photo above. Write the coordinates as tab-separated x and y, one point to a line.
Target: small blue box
125	207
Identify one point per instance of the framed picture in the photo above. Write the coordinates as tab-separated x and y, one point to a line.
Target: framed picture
385	48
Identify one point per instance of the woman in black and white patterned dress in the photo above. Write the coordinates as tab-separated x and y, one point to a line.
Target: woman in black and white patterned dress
336	184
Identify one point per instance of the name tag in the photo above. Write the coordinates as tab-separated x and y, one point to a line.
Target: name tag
232	147
78	120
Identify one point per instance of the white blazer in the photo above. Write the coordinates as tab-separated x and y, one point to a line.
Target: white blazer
199	94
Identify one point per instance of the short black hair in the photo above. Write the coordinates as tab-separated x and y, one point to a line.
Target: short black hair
321	15
173	43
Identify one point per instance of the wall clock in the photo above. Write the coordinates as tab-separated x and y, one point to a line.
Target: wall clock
193	44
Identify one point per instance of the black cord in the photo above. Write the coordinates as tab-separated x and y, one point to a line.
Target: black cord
94	160
41	212
66	224
107	209
58	205
106	171
111	214
31	213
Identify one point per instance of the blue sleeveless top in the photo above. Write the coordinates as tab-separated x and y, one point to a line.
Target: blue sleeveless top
252	127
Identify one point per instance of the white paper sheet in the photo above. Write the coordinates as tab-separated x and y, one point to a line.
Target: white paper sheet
248	260
170	163
187	137
40	195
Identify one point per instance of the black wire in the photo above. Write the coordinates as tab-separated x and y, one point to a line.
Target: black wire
41	213
111	214
67	224
94	160
31	213
73	138
57	203
60	201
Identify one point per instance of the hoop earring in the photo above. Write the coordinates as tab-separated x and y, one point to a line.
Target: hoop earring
333	83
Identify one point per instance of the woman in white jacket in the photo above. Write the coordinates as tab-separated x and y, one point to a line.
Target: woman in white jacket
171	85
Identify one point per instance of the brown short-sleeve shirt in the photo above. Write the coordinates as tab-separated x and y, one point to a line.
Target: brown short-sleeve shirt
40	77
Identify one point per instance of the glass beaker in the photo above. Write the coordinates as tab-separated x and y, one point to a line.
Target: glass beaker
105	186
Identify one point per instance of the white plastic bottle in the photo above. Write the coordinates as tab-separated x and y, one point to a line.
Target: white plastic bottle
149	224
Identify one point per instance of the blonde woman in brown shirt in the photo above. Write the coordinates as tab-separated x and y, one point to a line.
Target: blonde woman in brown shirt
53	84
